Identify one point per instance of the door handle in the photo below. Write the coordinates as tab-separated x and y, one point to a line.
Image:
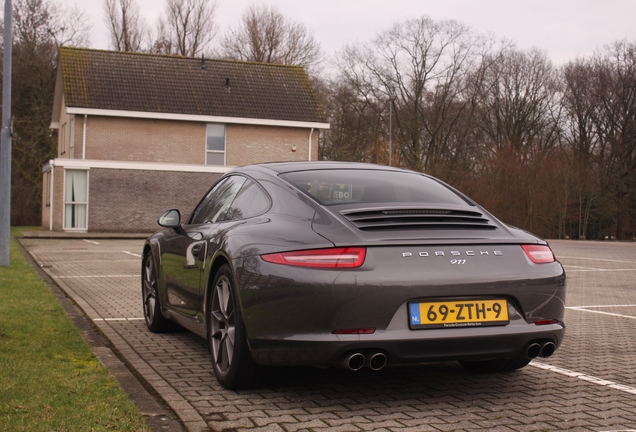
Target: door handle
192	254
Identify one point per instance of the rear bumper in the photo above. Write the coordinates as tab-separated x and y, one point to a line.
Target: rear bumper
291	313
406	346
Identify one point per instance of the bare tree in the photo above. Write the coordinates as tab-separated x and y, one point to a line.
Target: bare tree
40	22
186	28
520	101
265	35
580	139
422	68
615	126
356	132
39	28
519	118
128	31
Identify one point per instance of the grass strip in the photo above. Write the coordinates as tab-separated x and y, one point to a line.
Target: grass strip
50	380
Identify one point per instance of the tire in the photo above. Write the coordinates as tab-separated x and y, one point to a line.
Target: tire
496	365
233	365
155	321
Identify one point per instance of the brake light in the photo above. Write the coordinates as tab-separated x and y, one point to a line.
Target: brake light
321	258
539	254
545	322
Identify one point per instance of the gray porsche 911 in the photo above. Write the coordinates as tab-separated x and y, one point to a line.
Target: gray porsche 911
357	265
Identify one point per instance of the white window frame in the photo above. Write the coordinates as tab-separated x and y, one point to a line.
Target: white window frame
63	139
48	185
72	138
65	203
216	151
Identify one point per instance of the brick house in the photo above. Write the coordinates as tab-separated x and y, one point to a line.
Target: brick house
141	133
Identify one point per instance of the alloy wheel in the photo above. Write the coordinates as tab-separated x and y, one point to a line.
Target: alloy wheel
149	291
223	328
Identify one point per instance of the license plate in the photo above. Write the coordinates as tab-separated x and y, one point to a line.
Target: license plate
458	313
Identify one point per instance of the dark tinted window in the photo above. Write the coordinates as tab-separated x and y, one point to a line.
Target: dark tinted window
216	204
250	201
370	186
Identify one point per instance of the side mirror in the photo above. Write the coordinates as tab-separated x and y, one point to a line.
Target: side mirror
170	219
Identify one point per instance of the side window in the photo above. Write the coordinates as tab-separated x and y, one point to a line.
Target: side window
215	144
250	201
215	205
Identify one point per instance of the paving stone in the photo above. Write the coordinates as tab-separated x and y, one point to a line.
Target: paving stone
233	415
430	397
356	419
341	428
268	428
394	416
373	426
427	421
262	421
231	424
328	409
419	428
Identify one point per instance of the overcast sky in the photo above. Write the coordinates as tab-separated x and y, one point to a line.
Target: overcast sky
564	28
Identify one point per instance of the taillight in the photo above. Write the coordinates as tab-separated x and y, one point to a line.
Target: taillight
539	254
322	258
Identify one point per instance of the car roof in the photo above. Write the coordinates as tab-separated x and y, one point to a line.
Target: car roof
285	167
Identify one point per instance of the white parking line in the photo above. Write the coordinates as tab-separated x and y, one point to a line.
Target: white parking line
600	306
90	241
621	430
599	312
133	254
589	378
600	270
596	259
567	266
94	276
117	319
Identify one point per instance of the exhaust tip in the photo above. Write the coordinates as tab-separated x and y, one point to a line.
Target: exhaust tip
375	361
547	349
353	361
533	350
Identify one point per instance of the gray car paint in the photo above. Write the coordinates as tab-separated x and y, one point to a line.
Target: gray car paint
290	313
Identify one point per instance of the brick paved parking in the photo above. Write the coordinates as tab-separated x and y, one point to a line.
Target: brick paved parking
588	385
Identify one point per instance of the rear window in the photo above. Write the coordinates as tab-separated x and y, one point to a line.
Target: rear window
330	187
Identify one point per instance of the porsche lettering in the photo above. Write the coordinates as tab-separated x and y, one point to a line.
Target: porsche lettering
483	253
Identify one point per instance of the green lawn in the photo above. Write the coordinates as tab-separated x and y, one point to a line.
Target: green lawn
50	380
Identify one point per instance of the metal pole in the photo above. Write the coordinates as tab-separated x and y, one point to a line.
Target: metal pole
391	100
5	140
390	130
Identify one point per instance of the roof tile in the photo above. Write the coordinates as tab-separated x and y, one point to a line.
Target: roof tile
115	80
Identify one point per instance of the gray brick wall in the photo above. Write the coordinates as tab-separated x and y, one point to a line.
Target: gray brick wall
131	201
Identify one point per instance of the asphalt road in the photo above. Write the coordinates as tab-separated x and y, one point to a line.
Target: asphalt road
588	385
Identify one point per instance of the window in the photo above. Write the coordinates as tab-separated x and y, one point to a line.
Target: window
250	201
75	199
215	205
72	138
47	188
364	186
215	144
63	139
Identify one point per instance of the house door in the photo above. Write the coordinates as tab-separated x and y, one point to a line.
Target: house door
75	199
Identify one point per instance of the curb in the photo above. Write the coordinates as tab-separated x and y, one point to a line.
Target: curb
158	416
